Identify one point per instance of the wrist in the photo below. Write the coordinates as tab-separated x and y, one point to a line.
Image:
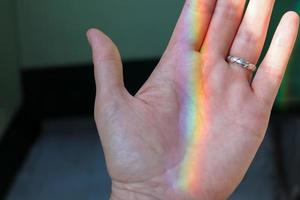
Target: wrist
123	194
137	191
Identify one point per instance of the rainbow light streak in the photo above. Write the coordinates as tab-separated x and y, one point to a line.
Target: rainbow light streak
194	113
192	117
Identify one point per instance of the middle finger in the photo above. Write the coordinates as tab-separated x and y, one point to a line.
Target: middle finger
223	27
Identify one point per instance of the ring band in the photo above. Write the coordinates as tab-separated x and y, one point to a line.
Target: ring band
244	63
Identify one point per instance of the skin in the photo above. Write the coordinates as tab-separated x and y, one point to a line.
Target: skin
145	145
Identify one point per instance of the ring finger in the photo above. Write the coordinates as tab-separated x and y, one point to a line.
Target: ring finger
251	35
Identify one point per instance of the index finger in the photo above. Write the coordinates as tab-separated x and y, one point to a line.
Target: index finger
192	24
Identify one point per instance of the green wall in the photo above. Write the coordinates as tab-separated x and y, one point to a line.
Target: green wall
9	78
52	32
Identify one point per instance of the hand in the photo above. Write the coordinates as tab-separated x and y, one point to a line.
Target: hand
194	127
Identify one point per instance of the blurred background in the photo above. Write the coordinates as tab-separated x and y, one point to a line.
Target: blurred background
49	147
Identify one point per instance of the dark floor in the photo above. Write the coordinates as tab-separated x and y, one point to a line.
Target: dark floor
67	163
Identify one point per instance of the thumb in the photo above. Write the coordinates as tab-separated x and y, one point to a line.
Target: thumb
107	63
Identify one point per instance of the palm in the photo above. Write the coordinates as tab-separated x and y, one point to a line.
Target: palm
157	140
196	124
144	133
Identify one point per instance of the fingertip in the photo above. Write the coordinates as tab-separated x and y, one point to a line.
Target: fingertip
92	31
90	34
292	17
292	13
97	37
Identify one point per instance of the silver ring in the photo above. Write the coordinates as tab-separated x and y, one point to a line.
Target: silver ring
244	63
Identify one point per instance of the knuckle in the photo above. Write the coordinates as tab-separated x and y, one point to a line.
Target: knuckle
273	71
228	11
248	37
210	68
265	101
